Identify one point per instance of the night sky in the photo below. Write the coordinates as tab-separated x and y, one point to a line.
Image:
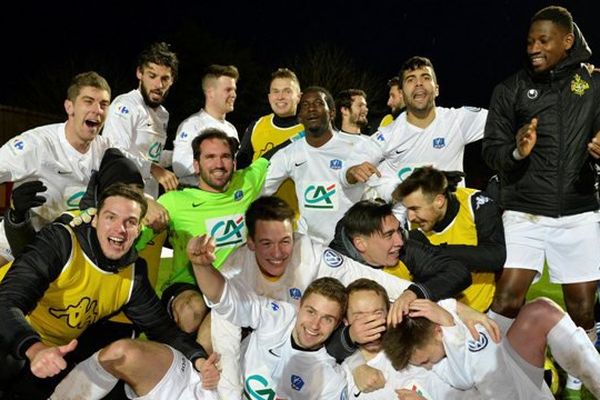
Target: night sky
472	44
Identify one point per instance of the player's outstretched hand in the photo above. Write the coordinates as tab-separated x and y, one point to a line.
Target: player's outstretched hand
594	146
400	307
367	378
527	137
201	251
157	216
25	197
210	371
367	328
406	394
167	179
48	361
471	317
361	172
432	311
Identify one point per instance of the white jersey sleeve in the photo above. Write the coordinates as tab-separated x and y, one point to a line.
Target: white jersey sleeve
279	171
226	340
472	123
183	156
19	158
121	122
346	270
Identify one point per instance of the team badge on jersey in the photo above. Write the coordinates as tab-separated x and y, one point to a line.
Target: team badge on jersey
321	196
227	231
183	135
274	306
238	195
579	86
18	144
123	110
380	137
335	164
295	293
297	382
439	143
478	345
332	258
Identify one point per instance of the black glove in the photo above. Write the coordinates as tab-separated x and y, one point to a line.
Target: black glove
25	197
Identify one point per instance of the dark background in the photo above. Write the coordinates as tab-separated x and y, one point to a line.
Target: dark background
339	44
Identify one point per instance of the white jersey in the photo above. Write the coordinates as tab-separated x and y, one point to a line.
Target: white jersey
192	126
140	130
272	367
424	382
400	147
322	200
44	154
483	364
309	261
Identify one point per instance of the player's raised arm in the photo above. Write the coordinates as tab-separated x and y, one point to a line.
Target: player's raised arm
201	253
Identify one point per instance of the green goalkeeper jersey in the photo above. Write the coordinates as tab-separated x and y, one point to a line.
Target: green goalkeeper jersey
194	212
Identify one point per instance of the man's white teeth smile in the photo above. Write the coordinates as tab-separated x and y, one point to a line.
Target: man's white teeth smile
115	240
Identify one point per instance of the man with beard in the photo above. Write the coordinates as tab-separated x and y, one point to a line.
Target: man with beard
313	163
395	102
215	207
219	84
425	135
351	111
137	121
542	137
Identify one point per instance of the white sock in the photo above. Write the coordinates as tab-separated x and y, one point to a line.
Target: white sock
573	351
88	380
503	322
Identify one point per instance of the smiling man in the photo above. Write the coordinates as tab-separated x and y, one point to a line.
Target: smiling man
61	156
137	121
425	134
285	356
313	163
67	280
351	111
219	85
539	137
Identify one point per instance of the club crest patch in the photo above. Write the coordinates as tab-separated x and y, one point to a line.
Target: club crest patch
332	258
579	86
297	382
478	345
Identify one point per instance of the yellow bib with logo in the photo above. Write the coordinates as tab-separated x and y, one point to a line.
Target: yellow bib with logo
81	295
265	136
462	230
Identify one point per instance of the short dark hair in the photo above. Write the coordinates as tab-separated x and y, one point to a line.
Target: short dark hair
366	217
414	63
285	73
364	284
344	99
558	15
318	89
400	342
267	208
394	81
160	54
215	71
214	133
430	180
330	288
85	79
127	191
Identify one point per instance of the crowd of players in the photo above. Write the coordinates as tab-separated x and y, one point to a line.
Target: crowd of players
310	261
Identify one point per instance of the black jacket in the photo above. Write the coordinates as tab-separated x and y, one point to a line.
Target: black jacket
558	177
41	263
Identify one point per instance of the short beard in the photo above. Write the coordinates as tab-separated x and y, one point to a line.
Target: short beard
147	101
